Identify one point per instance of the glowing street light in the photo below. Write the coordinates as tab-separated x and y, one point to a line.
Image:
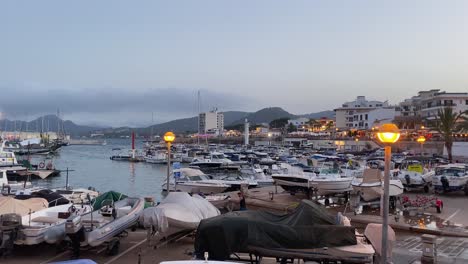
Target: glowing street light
421	140
169	137
387	134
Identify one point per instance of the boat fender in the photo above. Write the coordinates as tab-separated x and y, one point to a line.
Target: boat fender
41	165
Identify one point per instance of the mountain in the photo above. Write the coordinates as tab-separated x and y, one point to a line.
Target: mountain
265	115
318	115
46	123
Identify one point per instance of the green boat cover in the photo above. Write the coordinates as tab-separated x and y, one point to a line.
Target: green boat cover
309	226
110	195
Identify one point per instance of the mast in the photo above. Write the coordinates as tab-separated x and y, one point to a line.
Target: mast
198	125
152	122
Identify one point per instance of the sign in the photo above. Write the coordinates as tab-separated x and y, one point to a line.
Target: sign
416	168
176	166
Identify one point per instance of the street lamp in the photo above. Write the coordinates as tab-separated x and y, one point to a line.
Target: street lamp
387	134
169	138
421	140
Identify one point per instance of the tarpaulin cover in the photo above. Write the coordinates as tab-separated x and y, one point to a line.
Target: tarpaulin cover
22	207
309	226
53	198
110	195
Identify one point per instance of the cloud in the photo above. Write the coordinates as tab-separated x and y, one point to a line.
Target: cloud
113	106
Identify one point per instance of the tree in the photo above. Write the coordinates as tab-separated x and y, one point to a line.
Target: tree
446	123
292	128
279	123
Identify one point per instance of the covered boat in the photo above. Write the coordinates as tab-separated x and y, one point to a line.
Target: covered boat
178	212
10	205
308	233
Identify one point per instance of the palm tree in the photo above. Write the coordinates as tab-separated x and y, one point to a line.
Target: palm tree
446	123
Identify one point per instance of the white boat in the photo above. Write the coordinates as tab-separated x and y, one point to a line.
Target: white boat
11	187
159	157
256	173
47	225
451	177
77	195
294	179
414	176
194	181
178	212
109	219
329	181
370	186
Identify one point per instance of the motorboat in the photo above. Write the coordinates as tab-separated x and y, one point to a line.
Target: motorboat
309	232
158	157
294	179
328	180
178	212
194	181
11	187
414	176
112	214
370	186
451	177
256	173
77	195
47	225
236	182
216	161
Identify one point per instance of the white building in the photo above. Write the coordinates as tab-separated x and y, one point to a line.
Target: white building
363	114
211	122
427	103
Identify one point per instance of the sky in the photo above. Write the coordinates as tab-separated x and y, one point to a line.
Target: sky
115	62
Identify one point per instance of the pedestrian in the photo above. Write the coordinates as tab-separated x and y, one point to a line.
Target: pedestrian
242	205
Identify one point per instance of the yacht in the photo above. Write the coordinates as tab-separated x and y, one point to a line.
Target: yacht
158	157
451	177
329	180
11	187
194	181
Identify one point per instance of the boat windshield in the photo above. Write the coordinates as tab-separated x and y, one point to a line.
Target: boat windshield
450	171
217	156
200	177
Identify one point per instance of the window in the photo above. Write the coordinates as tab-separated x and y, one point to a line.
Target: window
367	117
466	102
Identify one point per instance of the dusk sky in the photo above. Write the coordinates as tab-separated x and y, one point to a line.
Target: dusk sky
114	62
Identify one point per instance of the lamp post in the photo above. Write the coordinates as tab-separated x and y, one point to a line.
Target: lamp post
387	134
169	138
421	140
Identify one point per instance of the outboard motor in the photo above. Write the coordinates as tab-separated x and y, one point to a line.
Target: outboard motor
445	183
407	179
9	226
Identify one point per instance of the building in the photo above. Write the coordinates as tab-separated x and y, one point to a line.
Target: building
427	103
302	121
363	114
211	122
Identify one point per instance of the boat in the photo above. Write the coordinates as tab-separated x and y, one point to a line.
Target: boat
159	157
328	180
194	181
11	187
9	205
178	212
414	176
309	232
294	179
451	178
47	225
216	161
370	186
77	195
112	214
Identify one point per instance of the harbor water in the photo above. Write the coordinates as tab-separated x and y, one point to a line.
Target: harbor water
91	166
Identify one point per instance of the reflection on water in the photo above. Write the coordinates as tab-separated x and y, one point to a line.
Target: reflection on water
92	166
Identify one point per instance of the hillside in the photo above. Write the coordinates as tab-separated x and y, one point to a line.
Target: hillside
46	123
265	115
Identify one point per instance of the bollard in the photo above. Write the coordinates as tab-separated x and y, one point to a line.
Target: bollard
429	249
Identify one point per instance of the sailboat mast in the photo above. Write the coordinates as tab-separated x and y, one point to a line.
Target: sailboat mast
198	124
